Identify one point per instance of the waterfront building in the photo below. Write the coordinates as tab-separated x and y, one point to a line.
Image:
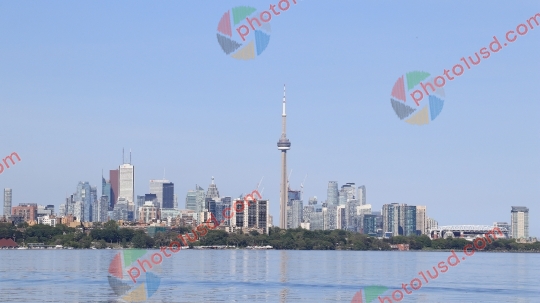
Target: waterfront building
399	220
379	219
407	220
369	225
7	202
253	217
520	222
421	220
390	215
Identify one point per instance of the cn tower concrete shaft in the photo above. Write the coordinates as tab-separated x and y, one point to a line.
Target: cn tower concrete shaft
283	145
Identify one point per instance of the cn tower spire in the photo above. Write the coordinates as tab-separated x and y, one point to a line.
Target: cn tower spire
284	116
283	145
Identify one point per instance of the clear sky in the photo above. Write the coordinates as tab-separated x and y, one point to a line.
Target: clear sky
79	81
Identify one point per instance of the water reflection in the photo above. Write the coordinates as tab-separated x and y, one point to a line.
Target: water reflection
284	260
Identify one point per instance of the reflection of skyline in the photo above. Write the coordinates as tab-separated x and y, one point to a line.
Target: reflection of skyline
284	259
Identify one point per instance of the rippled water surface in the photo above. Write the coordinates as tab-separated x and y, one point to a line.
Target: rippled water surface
271	276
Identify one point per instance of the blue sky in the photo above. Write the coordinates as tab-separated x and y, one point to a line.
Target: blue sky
81	80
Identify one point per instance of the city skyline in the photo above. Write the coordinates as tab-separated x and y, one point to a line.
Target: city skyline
81	72
395	219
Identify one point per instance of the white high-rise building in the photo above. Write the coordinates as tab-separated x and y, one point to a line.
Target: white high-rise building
421	219
362	194
520	222
127	183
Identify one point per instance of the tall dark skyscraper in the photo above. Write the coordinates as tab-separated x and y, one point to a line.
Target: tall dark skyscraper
114	180
283	145
168	195
106	191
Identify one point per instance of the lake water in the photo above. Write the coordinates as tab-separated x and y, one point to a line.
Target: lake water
271	276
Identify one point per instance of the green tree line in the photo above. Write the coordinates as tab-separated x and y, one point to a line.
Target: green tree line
109	234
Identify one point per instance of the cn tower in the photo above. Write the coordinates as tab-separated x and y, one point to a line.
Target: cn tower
283	145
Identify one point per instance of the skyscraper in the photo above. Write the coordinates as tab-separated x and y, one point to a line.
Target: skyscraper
362	194
520	222
332	194
212	191
164	190
94	204
127	183
390	217
212	197
106	190
421	220
399	220
407	220
114	179
84	195
7	202
283	145
195	199
191	200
